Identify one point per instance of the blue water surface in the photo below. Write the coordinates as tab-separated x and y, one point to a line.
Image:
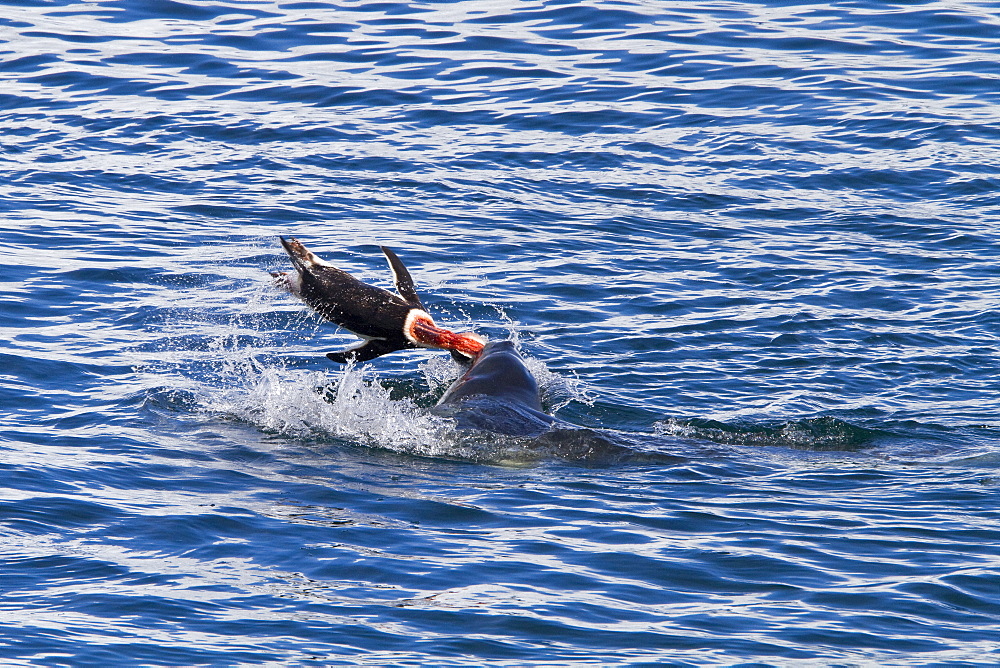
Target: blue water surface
749	250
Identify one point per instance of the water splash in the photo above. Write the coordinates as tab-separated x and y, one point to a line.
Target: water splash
301	404
237	367
360	406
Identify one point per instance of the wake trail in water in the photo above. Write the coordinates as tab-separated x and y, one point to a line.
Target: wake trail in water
822	433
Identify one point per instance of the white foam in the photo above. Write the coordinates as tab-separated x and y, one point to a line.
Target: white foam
349	404
439	372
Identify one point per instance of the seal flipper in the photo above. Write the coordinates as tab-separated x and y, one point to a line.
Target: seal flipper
401	277
368	350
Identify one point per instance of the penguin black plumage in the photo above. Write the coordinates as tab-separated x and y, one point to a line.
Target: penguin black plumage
387	322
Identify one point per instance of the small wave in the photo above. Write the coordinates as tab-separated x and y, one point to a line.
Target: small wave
822	433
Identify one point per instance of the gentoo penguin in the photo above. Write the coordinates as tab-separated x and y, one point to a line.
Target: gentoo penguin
388	322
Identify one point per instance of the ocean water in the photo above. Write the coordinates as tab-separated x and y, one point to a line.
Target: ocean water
749	249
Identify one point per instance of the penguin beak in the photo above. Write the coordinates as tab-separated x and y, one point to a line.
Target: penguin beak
296	251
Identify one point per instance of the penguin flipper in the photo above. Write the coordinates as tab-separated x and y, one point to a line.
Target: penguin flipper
401	277
368	350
